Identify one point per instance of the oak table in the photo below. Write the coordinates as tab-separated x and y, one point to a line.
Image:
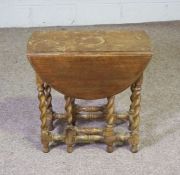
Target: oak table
89	64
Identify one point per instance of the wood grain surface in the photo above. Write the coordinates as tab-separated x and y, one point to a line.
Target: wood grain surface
89	64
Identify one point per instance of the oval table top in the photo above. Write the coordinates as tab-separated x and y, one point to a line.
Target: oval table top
89	64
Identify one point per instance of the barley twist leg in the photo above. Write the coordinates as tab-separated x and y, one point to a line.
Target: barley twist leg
73	112
109	129
69	112
134	112
47	90
43	116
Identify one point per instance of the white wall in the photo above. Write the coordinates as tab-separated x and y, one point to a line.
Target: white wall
27	13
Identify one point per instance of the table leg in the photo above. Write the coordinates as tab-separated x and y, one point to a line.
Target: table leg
73	112
43	116
134	112
109	129
47	90
69	115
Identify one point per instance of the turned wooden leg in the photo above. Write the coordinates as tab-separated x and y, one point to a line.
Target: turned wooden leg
69	115
109	129
47	90
43	116
134	112
73	112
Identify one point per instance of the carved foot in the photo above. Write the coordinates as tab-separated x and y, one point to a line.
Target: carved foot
134	148
134	142
110	148
45	139
70	138
45	145
45	148
69	148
